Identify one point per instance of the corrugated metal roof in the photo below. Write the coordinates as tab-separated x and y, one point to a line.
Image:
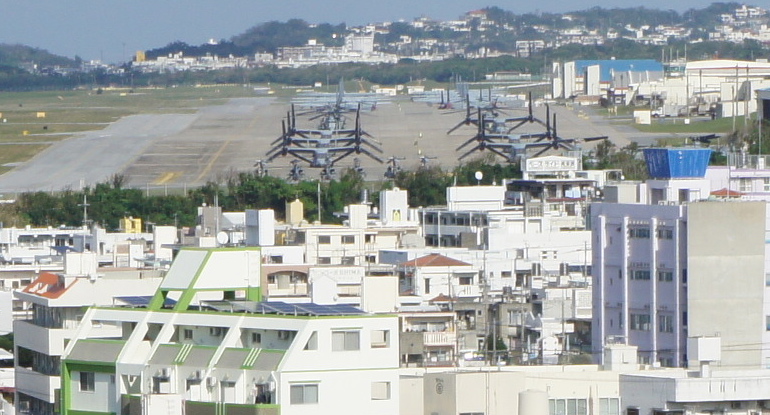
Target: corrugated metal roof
608	66
673	163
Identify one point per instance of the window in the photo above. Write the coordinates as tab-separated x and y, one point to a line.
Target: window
324	239
640	274
276	259
284	334
466	280
188	334
745	185
380	391
640	322
348	260
312	342
371	259
684	318
303	394
256	337
568	406
346	340
665	276
609	406
664	233
217	331
87	382
380	338
767	323
348	239
505	274
665	324
639	233
427	285
369	238
766	183
324	260
684	276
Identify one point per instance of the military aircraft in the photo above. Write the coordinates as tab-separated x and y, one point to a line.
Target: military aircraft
555	142
512	147
322	148
261	168
296	173
341	102
393	167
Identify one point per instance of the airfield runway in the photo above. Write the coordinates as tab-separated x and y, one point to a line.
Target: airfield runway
188	150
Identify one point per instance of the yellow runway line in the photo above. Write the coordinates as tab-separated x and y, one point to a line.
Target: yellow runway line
167	177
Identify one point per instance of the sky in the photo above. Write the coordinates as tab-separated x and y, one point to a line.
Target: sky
112	31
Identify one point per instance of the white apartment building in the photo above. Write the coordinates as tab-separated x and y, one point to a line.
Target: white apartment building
206	344
59	302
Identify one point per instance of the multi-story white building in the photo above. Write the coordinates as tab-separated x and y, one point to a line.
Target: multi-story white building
59	302
205	344
667	271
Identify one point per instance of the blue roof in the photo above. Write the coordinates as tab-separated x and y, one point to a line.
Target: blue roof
677	163
608	66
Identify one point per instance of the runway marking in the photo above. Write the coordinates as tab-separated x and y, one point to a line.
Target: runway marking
219	153
167	177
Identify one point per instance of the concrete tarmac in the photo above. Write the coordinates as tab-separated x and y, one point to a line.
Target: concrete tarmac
187	150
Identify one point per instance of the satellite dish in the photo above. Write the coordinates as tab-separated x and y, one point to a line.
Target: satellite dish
479	175
223	238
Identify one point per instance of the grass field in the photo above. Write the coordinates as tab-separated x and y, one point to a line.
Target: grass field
30	121
720	125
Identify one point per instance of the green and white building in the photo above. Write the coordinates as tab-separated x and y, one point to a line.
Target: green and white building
205	343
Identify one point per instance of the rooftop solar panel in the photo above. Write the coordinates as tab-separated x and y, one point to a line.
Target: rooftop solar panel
279	307
141	300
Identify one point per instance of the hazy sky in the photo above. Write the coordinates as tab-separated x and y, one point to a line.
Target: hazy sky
113	30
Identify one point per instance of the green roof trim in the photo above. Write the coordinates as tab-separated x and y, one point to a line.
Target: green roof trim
74	412
189	293
257	315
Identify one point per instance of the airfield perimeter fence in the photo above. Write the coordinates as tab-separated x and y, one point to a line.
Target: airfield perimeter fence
179	189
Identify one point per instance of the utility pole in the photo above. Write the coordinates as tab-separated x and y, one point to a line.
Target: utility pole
85	206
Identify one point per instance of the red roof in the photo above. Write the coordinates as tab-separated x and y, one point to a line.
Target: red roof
47	285
434	260
726	193
441	298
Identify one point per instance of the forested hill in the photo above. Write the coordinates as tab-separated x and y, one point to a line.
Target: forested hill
265	37
16	56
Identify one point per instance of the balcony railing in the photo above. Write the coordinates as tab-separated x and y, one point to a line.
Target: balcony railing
439	338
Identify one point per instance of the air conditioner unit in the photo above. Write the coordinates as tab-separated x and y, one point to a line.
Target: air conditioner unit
211	382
